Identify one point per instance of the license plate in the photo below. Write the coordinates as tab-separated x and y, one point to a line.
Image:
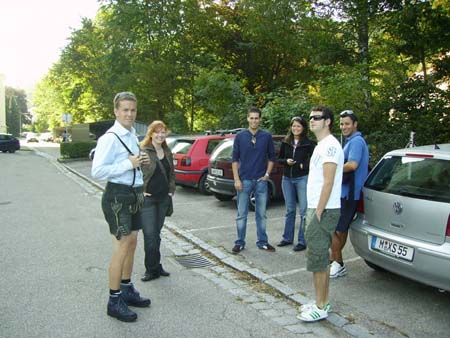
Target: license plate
392	248
175	161
216	172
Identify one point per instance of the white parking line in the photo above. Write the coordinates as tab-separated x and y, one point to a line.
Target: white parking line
229	226
211	228
292	272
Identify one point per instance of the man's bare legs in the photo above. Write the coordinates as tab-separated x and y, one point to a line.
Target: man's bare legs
321	286
121	264
337	244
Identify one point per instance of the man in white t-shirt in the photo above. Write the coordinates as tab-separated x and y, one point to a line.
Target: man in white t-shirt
324	203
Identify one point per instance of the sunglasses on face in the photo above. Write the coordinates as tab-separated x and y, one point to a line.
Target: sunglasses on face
316	117
346	113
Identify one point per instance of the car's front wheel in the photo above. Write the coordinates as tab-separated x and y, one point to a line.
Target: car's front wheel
203	185
12	150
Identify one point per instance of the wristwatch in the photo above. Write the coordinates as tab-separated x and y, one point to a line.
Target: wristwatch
267	175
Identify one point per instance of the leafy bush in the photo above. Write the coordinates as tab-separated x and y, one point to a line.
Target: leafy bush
76	149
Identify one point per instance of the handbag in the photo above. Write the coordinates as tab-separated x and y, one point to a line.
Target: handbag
169	211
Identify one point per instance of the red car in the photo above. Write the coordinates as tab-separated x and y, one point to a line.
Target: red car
191	157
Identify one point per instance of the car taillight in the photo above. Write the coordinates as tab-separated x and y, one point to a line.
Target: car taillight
186	161
360	207
447	231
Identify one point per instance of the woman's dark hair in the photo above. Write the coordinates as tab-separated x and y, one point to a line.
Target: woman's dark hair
290	136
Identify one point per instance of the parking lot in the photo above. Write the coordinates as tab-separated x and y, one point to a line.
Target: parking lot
386	304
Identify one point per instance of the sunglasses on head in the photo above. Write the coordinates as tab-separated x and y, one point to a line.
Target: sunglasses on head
346	113
298	119
317	117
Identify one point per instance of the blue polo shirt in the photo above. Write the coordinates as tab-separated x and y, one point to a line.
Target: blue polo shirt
253	158
356	150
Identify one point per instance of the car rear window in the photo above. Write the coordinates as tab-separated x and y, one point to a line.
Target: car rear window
223	152
418	177
211	145
182	146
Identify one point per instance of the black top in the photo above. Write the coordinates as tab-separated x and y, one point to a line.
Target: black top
158	185
301	153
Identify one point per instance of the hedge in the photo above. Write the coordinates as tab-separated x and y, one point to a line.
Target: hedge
76	149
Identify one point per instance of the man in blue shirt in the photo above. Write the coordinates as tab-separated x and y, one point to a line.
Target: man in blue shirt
356	156
252	162
117	160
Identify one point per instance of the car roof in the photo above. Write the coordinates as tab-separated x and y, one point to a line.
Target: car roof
202	137
5	134
438	150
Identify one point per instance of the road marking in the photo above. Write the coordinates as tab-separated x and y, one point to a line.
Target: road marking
227	226
211	228
292	272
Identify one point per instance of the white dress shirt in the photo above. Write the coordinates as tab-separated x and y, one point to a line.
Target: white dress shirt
111	161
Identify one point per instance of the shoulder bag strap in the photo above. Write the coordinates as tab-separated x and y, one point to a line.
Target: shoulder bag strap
129	151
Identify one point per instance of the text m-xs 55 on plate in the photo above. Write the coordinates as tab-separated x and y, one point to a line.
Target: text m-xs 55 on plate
391	248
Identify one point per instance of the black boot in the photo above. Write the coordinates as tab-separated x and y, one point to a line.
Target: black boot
132	297
163	272
118	309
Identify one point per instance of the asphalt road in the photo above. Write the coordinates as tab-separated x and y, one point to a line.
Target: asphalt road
383	304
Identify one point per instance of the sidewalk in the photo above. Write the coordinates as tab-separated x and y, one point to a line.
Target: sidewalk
55	281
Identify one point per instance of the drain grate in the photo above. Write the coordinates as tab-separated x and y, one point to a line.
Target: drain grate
194	261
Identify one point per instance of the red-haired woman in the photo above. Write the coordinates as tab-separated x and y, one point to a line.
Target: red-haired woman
159	186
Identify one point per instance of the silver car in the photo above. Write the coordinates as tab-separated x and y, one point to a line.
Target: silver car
404	222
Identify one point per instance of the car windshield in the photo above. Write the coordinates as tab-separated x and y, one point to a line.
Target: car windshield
182	146
223	151
418	177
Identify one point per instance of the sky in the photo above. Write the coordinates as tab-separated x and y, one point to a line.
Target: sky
33	33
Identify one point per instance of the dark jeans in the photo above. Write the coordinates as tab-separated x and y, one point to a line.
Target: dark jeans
153	214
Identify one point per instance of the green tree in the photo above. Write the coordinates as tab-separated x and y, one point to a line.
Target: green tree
16	110
218	98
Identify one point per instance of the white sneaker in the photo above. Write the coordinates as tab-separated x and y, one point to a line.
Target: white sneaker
313	314
336	270
307	306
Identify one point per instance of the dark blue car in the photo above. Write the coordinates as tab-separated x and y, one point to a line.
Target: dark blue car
8	143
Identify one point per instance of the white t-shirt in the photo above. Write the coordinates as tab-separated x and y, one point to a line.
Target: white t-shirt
327	150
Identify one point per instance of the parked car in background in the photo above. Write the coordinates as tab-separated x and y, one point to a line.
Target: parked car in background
220	174
191	157
32	137
172	139
9	143
403	225
46	137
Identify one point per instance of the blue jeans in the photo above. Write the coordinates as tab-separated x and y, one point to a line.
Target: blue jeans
294	189
243	198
